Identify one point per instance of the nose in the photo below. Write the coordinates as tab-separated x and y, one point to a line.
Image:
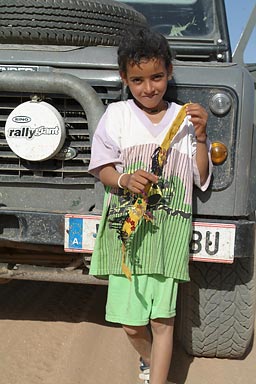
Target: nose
148	87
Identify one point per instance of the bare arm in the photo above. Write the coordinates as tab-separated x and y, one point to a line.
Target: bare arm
135	182
199	118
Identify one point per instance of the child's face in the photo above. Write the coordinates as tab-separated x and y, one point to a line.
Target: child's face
147	81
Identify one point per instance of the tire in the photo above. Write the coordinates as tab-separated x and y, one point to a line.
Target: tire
218	309
65	22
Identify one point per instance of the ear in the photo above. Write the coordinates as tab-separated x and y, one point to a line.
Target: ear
169	71
123	77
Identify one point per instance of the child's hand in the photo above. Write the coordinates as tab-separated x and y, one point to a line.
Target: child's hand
137	181
198	118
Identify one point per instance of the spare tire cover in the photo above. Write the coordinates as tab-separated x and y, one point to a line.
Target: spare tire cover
35	131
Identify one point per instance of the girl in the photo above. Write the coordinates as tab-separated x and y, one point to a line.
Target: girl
148	159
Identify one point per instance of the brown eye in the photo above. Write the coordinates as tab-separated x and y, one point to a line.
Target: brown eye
136	81
158	77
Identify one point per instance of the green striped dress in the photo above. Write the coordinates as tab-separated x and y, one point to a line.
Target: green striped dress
127	138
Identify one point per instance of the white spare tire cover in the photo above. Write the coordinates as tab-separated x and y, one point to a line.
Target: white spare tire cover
35	131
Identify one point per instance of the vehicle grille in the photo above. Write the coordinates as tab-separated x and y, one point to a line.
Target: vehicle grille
55	170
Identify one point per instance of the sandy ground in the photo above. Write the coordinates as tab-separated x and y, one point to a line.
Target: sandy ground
55	333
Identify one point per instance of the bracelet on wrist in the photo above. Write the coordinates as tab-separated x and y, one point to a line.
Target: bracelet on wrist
119	180
201	141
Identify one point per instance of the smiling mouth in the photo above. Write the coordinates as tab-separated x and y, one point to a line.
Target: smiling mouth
151	96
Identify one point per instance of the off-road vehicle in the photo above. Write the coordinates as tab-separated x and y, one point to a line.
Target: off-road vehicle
58	73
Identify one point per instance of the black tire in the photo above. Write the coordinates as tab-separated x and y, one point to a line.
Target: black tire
65	22
218	309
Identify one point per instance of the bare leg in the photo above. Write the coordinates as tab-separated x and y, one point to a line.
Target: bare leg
161	353
140	338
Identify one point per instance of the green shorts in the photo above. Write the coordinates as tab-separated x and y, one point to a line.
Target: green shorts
145	297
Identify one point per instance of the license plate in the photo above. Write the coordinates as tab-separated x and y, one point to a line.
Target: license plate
211	242
80	232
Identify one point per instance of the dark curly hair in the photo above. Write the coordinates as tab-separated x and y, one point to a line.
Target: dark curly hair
142	43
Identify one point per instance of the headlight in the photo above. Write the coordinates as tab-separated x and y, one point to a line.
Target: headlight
220	104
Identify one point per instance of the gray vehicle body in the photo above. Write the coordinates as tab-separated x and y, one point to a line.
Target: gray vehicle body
36	196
